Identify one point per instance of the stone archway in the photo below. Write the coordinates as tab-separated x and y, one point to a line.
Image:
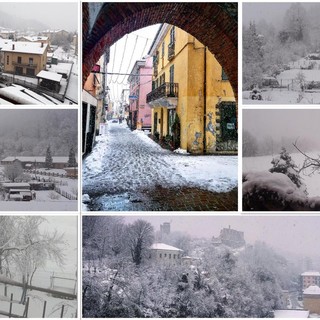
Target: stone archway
213	24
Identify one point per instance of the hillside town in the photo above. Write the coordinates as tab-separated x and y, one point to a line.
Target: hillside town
164	272
178	103
37	66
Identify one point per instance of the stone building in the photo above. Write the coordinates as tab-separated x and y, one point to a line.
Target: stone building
162	252
311	299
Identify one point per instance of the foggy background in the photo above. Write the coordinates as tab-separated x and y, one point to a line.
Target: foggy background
270	12
39	16
287	125
30	132
298	235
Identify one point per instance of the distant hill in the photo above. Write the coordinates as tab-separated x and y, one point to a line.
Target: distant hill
10	21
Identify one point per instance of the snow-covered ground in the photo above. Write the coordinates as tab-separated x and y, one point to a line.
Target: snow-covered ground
263	163
287	78
68	226
283	96
47	200
124	160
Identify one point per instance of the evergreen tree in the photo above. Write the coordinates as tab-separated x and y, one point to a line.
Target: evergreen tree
72	162
49	161
284	164
252	57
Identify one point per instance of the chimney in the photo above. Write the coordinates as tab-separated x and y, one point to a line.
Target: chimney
13	46
41	44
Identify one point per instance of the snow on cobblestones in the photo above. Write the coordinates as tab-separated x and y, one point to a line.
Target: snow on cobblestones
126	161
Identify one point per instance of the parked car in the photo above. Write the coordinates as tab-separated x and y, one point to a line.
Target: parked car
19	195
271	82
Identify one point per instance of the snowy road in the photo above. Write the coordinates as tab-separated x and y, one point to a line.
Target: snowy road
124	164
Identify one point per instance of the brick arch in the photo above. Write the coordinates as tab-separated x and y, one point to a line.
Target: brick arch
213	24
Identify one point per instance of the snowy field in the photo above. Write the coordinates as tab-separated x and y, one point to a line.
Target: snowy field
285	96
113	166
263	163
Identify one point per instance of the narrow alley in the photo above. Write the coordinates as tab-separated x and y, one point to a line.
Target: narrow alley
127	171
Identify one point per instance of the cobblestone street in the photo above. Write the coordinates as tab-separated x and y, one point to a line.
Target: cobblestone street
127	171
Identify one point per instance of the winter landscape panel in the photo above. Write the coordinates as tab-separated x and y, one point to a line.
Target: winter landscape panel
281	160
39	53
281	53
38	160
38	266
206	267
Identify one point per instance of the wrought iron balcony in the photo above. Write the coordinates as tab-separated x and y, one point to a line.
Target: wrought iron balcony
166	90
20	64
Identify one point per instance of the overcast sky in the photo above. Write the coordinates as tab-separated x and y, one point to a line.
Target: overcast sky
123	55
293	234
57	15
301	123
269	11
67	225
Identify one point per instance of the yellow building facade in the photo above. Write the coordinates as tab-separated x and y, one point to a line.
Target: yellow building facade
24	58
192	102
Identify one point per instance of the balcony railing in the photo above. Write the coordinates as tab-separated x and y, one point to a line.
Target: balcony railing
171	51
166	90
32	65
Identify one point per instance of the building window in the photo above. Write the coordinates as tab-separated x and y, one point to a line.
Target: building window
165	255
174	256
169	255
30	61
224	75
19	59
162	50
160	255
7	60
172	35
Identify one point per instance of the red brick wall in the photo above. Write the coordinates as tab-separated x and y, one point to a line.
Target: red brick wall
213	24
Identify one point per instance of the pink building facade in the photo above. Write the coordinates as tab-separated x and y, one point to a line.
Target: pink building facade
140	81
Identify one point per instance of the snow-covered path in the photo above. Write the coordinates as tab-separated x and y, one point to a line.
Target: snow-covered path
125	161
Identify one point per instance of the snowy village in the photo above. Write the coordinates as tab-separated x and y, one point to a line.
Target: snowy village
281	53
38	64
38	164
200	267
38	267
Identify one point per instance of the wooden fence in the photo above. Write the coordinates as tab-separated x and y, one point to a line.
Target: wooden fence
65	193
12	302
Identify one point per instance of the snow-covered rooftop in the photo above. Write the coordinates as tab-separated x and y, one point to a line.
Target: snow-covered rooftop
311	273
35	38
291	313
312	290
23	95
22	47
49	76
37	159
163	246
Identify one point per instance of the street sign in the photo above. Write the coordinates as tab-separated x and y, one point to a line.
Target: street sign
133	97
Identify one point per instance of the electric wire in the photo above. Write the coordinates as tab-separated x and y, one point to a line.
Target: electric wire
124	51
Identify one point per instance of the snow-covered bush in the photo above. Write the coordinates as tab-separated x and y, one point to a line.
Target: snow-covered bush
284	164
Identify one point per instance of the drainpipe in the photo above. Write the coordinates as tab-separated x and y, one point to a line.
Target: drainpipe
204	100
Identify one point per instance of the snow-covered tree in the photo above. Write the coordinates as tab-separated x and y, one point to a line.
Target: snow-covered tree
140	237
284	164
72	162
48	160
13	171
249	144
252	57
